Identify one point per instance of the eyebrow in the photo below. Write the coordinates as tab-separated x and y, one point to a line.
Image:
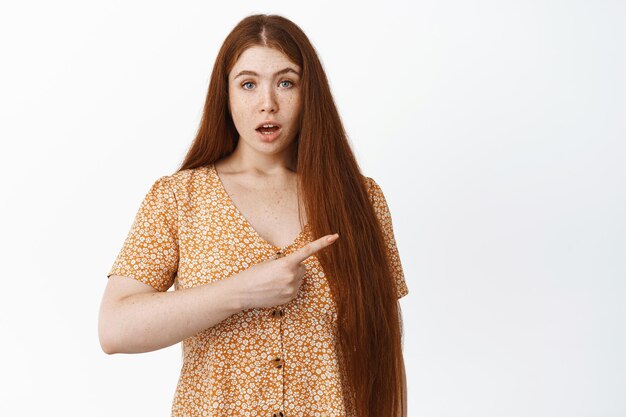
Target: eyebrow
282	71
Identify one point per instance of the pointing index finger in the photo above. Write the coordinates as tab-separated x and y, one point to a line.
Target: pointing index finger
310	248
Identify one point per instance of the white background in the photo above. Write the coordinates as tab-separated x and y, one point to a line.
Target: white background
495	128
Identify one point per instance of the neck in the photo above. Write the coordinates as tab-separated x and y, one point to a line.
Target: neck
247	159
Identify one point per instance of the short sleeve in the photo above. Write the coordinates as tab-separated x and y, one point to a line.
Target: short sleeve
384	217
150	252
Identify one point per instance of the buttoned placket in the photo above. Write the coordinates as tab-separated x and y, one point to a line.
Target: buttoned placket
278	361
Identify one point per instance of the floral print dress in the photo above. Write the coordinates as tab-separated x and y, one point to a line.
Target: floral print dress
260	361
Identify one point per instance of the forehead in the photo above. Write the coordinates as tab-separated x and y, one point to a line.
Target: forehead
263	60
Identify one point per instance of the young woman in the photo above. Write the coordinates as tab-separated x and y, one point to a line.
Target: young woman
281	311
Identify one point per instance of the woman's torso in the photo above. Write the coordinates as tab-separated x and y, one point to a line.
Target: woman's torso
253	363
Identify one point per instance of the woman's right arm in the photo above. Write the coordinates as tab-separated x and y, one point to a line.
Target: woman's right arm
134	317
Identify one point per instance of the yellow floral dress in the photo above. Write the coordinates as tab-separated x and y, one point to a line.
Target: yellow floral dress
260	361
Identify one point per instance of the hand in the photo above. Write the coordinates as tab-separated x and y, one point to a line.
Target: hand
277	281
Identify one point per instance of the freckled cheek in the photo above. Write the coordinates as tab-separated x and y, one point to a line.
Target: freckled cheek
241	109
292	102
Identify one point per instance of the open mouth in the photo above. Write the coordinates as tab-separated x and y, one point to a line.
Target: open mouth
268	128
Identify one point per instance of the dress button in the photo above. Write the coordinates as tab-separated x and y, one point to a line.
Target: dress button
278	312
278	362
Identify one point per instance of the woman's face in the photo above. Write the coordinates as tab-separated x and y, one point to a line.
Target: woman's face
264	87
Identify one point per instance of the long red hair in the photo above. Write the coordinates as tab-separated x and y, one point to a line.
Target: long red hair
369	328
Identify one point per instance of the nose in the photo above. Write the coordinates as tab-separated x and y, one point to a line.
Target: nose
268	100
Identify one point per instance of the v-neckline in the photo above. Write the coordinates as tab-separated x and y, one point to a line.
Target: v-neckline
245	221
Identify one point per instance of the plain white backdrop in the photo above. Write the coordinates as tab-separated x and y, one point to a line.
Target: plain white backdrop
496	130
